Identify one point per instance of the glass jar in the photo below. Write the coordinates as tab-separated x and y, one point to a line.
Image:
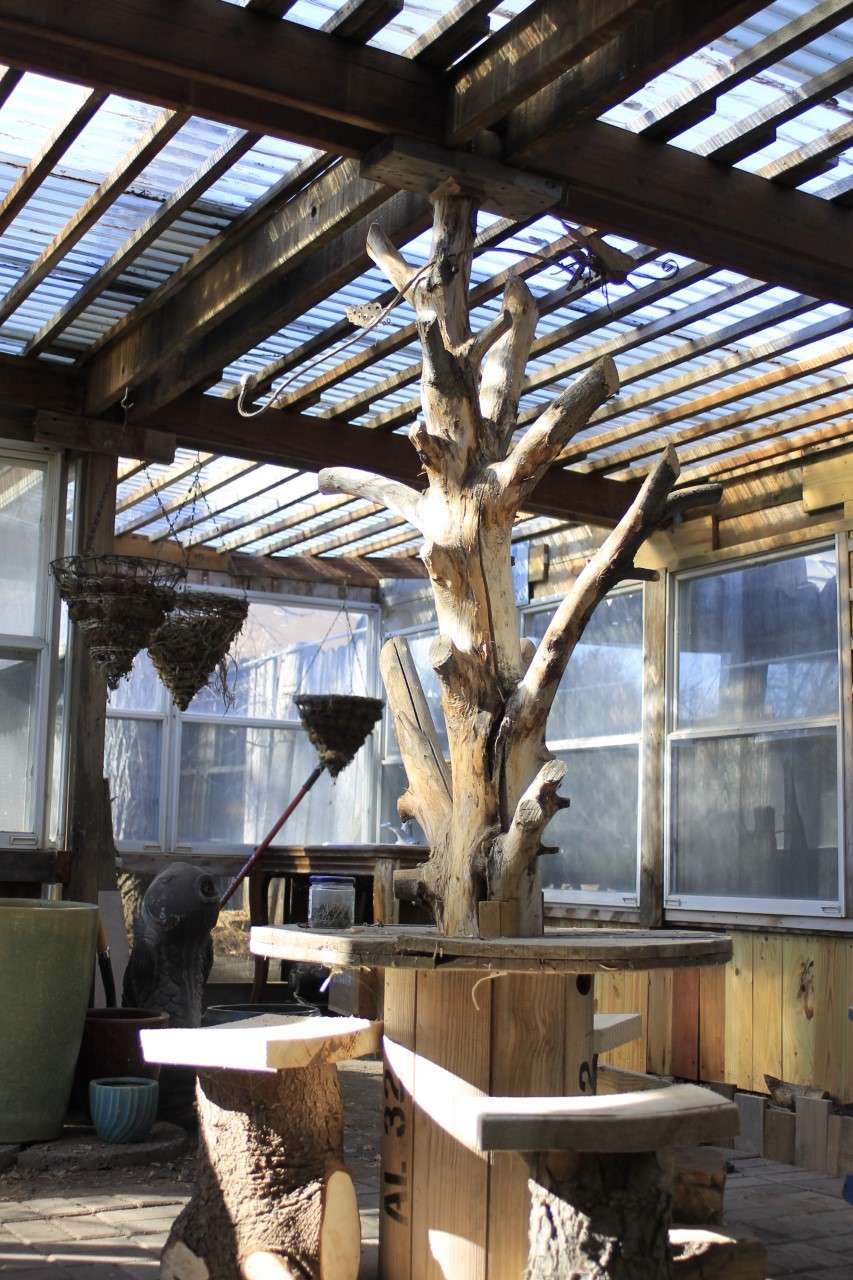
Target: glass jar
331	902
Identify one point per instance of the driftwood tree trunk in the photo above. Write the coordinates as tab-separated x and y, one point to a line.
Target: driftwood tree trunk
485	823
272	1199
603	1217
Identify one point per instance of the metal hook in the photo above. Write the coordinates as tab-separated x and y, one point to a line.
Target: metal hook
126	404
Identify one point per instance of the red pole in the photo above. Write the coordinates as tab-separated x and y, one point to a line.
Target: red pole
269	837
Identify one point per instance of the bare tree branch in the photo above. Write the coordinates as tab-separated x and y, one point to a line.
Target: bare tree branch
388	259
503	371
522	842
542	441
613	562
392	494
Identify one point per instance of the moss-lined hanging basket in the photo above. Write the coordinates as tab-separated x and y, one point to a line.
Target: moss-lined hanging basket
117	602
192	643
337	724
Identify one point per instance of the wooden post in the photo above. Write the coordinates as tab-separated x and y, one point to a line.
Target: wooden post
87	809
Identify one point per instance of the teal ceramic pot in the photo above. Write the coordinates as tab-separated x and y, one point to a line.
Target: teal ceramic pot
47	961
123	1108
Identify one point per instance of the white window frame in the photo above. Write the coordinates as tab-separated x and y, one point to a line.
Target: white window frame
620	899
745	906
40	642
173	721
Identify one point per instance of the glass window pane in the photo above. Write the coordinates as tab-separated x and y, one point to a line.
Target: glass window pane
288	649
394	783
22	527
756	816
235	782
597	835
132	750
18	695
140	690
759	643
601	691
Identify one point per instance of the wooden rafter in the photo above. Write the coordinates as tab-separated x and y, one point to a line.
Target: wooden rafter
222	62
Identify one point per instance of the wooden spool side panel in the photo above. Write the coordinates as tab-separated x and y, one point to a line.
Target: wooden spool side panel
450	1183
395	1216
541	1045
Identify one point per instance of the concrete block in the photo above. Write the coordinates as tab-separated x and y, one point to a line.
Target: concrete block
779	1134
752	1108
812	1132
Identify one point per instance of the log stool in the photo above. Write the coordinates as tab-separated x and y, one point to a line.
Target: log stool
272	1198
600	1173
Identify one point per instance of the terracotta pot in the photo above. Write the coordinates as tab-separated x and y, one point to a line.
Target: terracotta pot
110	1047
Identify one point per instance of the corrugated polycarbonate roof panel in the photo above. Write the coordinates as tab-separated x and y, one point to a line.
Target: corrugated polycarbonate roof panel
37	107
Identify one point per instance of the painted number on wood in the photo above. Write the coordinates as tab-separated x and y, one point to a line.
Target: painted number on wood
395	1195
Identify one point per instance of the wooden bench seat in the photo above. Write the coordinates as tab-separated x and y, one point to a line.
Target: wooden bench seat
272	1198
612	1030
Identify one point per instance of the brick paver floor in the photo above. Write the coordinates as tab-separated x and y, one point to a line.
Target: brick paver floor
79	1228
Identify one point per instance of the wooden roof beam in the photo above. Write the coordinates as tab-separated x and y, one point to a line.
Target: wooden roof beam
665	195
228	64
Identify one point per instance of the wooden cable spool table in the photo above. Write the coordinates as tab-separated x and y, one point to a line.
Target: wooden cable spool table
508	1016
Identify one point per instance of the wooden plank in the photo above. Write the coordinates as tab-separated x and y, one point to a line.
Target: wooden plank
832	1030
453	34
450	1215
527	1059
667	195
799	1002
677	1115
395	1217
699	100
810	1141
611	1030
31	178
739	1027
659	1022
92	435
272	8
424	167
88	825
625	992
266	1043
712	1022
827	483
766	1009
359	20
277	78
685	1024
34	866
140	155
779	1135
10	78
656	37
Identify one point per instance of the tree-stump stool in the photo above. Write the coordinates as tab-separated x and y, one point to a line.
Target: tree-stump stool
272	1199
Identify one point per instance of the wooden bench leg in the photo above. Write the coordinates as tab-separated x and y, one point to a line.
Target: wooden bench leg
603	1217
272	1199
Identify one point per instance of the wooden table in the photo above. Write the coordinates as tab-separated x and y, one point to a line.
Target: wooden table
379	861
508	1016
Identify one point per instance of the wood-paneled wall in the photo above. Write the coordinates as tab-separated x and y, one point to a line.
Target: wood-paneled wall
779	1007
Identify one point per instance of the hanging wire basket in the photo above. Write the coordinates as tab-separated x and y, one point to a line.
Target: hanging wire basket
337	724
117	602
192	643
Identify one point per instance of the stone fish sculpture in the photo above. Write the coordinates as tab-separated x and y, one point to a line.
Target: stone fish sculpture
172	950
170	961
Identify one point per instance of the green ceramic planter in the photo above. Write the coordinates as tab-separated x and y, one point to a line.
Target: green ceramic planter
47	958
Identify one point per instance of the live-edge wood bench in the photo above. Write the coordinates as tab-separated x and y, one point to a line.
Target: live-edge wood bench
272	1198
599	1170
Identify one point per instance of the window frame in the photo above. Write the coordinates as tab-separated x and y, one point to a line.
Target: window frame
40	642
753	908
173	720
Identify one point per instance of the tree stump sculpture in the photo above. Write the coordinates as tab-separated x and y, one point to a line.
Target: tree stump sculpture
485	819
